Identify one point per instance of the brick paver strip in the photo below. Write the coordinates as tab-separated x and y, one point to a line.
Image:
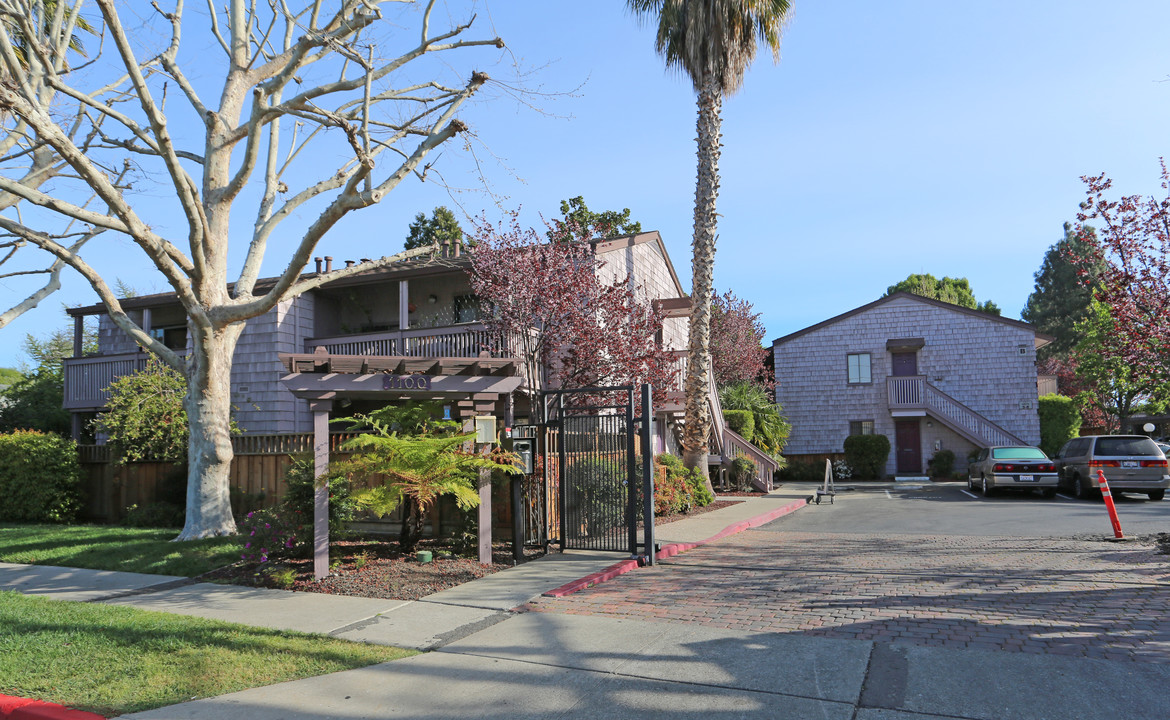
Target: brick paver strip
1038	595
671	550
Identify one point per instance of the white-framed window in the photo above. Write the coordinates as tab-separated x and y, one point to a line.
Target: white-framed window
858	368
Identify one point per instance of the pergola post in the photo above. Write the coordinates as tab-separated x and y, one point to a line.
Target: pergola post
320	410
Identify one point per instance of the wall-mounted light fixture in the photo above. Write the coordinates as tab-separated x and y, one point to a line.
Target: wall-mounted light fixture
432	299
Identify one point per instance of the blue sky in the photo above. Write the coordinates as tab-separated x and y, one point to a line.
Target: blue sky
892	138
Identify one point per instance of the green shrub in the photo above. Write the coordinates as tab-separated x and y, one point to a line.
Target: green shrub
40	477
867	455
271	534
159	514
676	489
671	493
802	471
300	492
1059	422
742	422
942	465
742	472
700	495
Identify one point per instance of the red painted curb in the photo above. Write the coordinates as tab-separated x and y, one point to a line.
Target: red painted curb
16	708
671	550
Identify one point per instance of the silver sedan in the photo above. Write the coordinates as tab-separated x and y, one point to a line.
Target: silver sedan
1013	468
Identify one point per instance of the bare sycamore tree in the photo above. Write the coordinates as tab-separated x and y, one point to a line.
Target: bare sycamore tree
321	112
24	158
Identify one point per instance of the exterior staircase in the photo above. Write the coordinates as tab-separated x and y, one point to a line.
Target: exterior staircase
913	392
724	445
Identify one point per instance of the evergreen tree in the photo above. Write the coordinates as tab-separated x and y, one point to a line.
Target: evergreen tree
956	291
441	226
579	220
1061	299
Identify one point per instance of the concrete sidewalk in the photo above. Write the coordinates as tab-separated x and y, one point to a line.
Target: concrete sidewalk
489	662
424	624
541	665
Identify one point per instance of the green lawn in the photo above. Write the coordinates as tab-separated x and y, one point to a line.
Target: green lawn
113	660
108	547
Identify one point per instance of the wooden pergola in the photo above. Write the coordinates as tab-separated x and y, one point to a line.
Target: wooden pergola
473	386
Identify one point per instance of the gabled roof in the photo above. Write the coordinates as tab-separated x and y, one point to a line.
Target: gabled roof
404	269
1041	338
611	244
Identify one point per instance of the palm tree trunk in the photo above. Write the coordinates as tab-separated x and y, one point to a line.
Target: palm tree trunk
697	412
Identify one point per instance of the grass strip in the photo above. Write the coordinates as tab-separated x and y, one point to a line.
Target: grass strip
108	547
112	660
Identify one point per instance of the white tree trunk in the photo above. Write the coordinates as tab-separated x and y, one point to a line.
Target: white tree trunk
208	403
697	413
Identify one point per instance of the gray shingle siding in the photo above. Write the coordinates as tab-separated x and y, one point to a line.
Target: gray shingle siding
987	364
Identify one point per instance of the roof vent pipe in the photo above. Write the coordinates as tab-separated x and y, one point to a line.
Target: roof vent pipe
349	263
364	260
446	249
318	261
328	263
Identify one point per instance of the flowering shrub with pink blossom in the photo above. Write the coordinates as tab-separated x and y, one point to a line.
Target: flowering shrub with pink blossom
270	534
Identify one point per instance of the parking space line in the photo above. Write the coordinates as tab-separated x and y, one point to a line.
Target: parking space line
889	496
968	492
1066	497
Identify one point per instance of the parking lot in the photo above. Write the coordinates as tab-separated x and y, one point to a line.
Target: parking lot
913	507
926	565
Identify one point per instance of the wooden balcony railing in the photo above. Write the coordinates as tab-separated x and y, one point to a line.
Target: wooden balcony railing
86	378
456	341
914	392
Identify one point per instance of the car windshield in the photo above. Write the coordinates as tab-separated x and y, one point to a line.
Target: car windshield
1142	446
1018	453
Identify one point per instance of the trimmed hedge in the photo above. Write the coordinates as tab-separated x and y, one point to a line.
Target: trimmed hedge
1060	421
742	422
867	455
40	478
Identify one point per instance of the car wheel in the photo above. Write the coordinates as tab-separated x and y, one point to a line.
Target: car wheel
987	489
1048	493
1080	492
1156	494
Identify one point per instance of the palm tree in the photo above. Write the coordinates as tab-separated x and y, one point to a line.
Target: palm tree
713	42
771	428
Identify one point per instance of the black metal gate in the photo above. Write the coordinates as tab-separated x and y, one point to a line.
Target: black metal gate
595	466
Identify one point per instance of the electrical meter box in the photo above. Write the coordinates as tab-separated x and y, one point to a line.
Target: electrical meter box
526	449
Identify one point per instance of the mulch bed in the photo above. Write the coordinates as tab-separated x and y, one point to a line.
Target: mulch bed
374	569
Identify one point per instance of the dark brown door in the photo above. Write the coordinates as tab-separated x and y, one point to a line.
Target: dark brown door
908	446
905	364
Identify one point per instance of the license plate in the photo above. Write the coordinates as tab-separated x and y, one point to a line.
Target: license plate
1129	463
1027	478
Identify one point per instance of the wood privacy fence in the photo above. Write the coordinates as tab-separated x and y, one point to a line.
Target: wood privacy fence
256	479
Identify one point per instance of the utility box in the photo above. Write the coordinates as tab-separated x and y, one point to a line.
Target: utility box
526	449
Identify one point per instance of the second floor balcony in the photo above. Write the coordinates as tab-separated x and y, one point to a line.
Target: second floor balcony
86	378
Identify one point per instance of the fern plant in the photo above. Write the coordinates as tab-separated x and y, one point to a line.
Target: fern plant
416	464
